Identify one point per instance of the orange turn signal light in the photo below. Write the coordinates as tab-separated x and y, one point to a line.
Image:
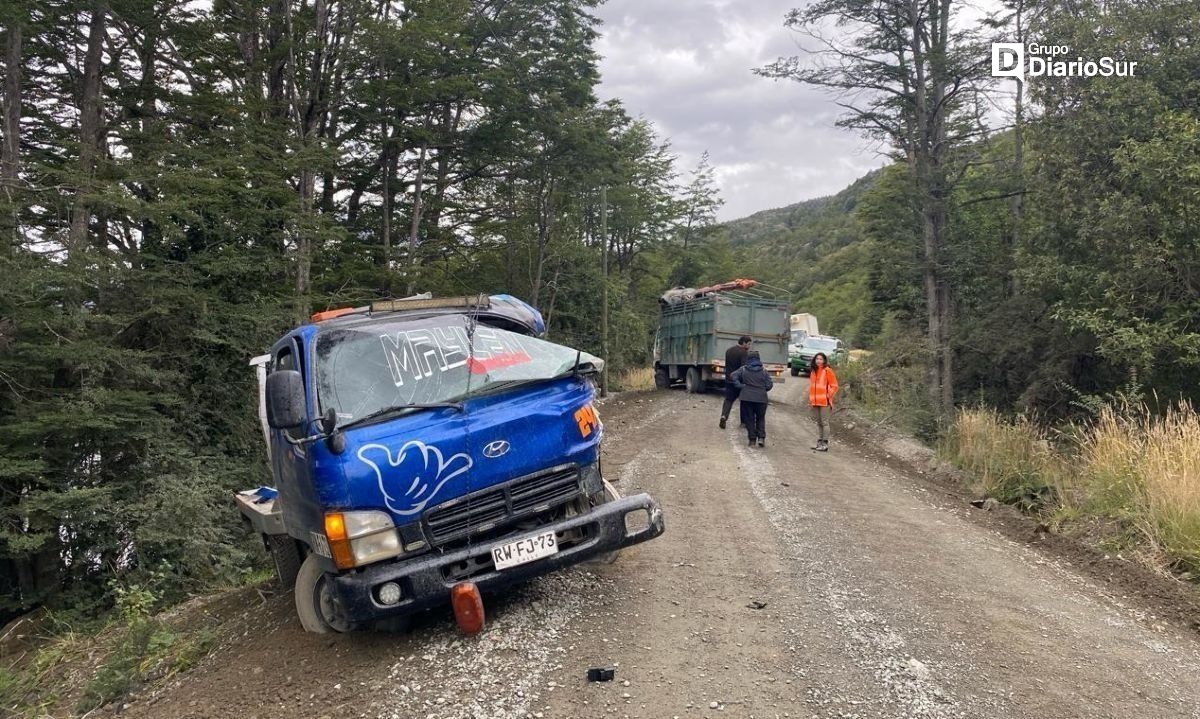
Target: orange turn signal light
339	542
468	607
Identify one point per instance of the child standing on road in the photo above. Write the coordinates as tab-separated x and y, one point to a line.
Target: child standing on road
753	383
822	386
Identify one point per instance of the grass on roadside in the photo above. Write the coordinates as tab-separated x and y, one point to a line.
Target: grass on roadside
1129	469
88	669
636	379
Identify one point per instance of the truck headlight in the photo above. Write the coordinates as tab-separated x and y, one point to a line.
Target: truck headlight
358	538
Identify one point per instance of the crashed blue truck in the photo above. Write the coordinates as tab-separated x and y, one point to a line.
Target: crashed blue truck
425	446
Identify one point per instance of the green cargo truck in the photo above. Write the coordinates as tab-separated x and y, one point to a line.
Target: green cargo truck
697	326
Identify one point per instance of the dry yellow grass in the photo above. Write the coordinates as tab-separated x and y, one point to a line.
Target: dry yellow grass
1170	471
641	378
1009	460
1138	469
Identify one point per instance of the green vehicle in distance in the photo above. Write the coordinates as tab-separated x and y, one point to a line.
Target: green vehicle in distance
801	355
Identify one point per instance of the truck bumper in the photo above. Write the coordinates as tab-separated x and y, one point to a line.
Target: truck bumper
425	580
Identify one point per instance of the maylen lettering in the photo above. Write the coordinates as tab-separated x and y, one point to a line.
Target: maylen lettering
414	355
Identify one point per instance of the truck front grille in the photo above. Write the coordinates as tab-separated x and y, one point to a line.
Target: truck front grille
502	505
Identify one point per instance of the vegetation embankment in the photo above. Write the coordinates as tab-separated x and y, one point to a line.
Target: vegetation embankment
57	663
1129	479
1121	476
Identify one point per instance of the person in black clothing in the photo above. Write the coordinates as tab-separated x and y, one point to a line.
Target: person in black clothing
735	357
753	383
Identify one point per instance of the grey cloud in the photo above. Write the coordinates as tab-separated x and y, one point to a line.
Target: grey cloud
687	67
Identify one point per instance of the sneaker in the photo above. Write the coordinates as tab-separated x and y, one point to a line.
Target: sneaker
722	423
762	443
822	446
752	443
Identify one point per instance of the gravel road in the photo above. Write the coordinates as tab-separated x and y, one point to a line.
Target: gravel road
788	584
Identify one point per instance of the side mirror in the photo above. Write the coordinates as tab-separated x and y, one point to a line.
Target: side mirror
285	399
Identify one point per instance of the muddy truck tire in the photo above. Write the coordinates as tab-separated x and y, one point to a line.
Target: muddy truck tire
662	378
317	606
610	495
286	557
694	383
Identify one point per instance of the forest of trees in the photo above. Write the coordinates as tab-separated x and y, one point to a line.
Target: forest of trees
182	182
1065	267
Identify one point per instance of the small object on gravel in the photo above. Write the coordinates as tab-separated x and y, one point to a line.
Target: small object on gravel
601	674
987	503
756	605
784	484
713	705
625	683
916	668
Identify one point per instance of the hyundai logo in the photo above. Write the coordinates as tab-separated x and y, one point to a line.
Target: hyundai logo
499	448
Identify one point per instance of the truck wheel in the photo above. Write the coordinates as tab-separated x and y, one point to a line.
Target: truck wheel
317	605
286	556
610	495
662	379
693	380
795	371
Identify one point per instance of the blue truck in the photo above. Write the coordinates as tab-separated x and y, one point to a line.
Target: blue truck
423	445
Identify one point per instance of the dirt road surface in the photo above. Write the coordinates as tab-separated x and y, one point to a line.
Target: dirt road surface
788	584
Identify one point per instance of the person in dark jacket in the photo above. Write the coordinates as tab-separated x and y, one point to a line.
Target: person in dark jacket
753	383
735	357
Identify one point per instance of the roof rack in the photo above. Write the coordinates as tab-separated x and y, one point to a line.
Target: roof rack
424	301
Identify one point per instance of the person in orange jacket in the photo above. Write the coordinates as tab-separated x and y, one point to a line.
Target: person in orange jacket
822	386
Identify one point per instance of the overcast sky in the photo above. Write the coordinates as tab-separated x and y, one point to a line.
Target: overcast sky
685	65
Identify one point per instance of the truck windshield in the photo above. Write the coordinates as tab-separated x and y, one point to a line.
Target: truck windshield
821	345
363	369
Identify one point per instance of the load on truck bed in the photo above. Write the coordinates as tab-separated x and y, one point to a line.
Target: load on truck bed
696	326
425	446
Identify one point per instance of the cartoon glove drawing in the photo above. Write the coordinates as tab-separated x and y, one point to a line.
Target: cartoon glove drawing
424	463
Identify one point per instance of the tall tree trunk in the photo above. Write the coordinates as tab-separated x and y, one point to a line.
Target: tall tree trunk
390	160
91	139
451	118
940	152
416	221
278	33
928	45
545	218
147	111
304	245
10	151
249	40
1017	203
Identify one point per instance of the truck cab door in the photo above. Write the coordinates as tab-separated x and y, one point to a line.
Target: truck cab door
290	462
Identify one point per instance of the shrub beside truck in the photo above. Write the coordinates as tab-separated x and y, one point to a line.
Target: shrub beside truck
697	326
425	451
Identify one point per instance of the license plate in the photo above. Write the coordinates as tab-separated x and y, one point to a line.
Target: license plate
524	550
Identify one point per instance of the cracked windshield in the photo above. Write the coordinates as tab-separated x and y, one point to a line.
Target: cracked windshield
364	369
